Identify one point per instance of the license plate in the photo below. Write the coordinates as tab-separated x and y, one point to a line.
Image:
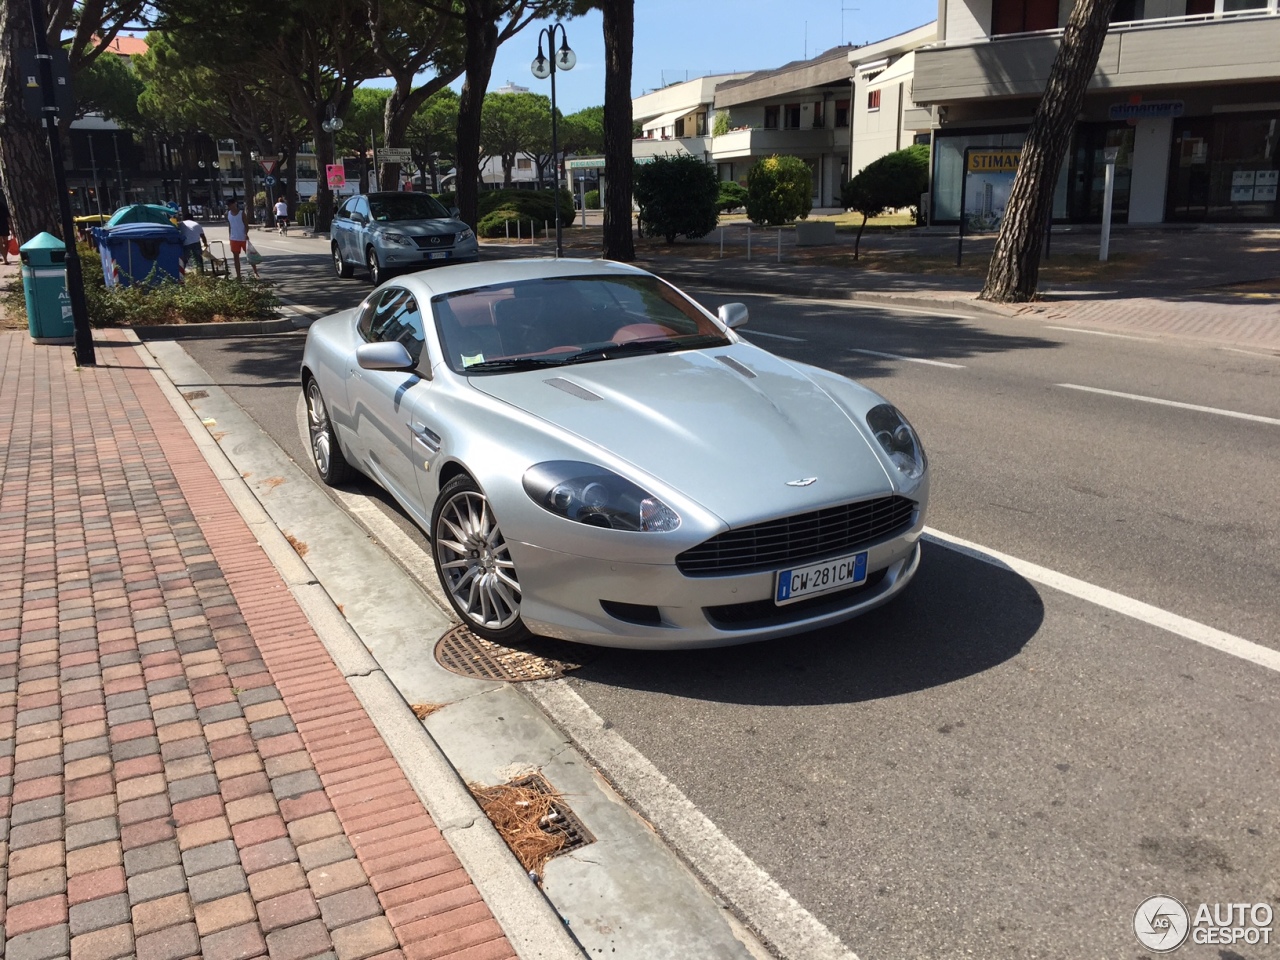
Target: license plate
817	578
442	255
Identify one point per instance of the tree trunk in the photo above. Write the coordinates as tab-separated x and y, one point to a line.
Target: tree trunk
619	33
482	46
1015	261
324	157
25	170
857	242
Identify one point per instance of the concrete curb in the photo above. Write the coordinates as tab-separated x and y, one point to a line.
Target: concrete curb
530	922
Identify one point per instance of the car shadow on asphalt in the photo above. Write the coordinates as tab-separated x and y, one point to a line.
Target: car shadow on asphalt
959	617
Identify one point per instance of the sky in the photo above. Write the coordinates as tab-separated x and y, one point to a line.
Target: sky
683	39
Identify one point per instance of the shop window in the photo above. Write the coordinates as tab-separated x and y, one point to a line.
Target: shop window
791	116
771	118
842	113
873	101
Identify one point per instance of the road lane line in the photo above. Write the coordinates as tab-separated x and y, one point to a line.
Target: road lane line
1174	403
1254	353
772	336
1100	333
1100	596
887	307
895	356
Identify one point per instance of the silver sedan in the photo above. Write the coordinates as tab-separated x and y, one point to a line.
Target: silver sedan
596	457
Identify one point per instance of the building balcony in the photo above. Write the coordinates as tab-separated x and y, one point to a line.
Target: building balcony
645	148
761	142
1213	48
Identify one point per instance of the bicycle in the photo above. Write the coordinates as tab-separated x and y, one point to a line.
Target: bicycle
282	225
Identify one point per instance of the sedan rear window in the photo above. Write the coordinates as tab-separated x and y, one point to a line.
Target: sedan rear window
565	320
406	206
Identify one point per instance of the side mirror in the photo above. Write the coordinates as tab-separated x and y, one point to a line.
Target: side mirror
732	315
384	355
454	212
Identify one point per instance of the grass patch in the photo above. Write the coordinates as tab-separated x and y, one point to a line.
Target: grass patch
201	298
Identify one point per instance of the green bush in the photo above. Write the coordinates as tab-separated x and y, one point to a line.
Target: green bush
895	180
720	125
732	196
676	195
448	198
779	190
499	206
591	199
305	212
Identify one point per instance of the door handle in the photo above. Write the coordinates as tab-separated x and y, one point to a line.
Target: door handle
427	437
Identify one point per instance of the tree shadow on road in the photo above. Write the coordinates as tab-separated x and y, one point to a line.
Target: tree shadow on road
959	617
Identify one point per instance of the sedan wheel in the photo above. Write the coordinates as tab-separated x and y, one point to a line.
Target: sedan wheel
474	563
340	266
325	451
375	268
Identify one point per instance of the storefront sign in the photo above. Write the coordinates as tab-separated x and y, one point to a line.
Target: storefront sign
1150	110
1264	190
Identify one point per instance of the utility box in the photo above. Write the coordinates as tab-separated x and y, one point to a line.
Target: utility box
44	282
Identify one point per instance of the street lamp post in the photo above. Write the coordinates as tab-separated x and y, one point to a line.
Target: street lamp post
331	125
543	67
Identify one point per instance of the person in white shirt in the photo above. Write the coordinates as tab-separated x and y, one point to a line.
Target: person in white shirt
193	239
239	230
282	213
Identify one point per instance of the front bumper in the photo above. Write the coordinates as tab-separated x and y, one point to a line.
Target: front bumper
408	257
562	594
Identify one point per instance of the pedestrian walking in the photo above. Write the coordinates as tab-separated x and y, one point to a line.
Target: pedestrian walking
4	229
193	239
239	230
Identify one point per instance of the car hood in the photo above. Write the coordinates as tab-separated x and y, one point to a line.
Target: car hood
731	428
422	228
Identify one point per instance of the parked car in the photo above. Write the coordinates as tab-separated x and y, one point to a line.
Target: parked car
390	232
598	458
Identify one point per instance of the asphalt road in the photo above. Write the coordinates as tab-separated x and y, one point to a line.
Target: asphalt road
987	766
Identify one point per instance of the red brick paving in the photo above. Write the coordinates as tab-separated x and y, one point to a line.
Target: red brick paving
189	772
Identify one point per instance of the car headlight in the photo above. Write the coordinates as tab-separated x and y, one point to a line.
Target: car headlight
466	235
900	442
597	497
399	239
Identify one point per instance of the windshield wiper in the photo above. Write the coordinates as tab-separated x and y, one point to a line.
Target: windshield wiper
635	347
511	363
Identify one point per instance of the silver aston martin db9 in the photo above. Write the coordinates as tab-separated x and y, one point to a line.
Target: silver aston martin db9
596	457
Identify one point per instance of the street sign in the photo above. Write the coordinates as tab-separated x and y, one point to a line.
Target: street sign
29	79
586	163
336	175
268	166
395	155
270	181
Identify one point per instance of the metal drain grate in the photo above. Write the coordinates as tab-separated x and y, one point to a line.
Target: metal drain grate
460	651
561	821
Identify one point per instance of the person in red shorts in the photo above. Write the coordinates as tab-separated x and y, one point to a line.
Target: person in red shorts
239	230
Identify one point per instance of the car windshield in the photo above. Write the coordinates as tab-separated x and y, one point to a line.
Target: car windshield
406	206
562	320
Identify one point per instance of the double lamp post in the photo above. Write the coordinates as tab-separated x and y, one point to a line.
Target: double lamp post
543	67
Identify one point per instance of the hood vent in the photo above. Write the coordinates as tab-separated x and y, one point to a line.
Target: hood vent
734	365
568	386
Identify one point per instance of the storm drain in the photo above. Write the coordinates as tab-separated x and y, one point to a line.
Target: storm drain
534	820
460	651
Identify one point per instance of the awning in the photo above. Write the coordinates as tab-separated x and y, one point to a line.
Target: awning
666	120
899	71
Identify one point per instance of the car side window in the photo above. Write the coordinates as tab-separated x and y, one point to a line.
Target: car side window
344	212
397	318
360	208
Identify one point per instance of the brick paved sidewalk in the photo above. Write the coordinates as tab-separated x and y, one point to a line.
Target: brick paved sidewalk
183	770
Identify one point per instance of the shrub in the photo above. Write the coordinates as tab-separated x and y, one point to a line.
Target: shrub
779	190
497	207
448	198
732	196
895	180
591	199
720	125
305	212
677	196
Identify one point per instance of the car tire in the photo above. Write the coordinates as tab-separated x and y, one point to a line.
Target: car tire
326	452
340	266
474	563
375	268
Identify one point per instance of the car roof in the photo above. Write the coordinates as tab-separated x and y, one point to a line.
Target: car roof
465	276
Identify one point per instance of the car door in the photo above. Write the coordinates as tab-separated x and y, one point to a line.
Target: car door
359	214
379	397
340	229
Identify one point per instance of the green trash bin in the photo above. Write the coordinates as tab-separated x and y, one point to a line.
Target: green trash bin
44	281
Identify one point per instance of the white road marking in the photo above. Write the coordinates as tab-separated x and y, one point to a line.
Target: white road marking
895	356
1254	353
893	308
772	336
1174	403
1100	333
1110	600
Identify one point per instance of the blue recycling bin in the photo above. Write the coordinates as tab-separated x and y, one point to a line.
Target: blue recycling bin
139	252
44	283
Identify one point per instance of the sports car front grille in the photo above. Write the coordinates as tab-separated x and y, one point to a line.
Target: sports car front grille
776	544
438	241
